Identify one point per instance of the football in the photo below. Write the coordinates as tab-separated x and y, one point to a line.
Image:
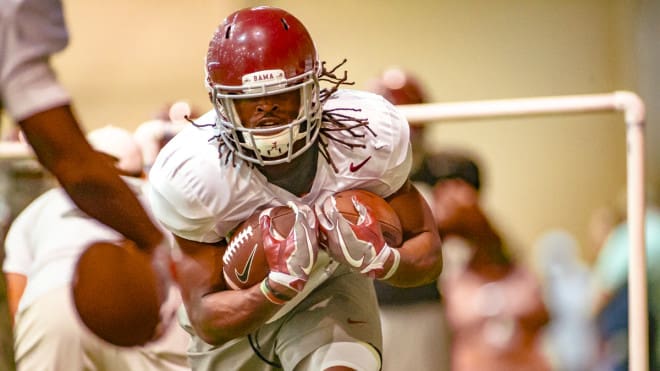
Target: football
244	260
389	221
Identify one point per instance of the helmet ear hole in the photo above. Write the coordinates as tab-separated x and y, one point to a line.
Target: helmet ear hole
286	25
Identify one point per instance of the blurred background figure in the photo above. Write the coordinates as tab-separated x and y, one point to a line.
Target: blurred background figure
42	247
153	134
494	304
610	304
571	337
401	87
411	313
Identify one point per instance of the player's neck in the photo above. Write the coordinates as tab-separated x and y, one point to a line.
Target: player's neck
296	176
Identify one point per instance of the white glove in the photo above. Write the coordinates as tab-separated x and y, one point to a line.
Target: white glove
361	246
290	259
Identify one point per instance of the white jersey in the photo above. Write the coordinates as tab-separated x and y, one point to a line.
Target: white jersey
199	196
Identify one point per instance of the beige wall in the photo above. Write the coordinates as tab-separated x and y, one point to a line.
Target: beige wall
127	58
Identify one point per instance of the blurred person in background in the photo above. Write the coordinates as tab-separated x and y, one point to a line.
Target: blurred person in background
610	305
400	86
31	31
571	337
494	304
411	313
43	245
153	134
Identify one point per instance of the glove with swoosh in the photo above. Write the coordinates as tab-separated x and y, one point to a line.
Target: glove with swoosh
359	245
291	259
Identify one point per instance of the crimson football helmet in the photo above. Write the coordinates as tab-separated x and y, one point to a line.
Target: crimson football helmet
259	52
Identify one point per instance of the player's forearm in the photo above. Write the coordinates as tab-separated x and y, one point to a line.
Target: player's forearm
421	261
216	313
93	184
226	315
117	207
421	252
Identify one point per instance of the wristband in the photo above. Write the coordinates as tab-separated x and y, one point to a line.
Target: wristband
272	295
395	265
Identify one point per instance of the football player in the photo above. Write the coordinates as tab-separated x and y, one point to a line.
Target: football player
275	138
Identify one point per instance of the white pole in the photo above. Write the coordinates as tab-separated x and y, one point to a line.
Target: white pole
634	113
509	107
637	299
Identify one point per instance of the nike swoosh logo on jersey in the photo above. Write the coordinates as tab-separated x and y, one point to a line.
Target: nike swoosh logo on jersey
353	168
243	276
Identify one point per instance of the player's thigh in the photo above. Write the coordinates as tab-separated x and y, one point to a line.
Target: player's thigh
343	310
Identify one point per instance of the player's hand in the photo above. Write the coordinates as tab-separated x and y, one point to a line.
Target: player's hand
162	262
362	245
291	259
105	291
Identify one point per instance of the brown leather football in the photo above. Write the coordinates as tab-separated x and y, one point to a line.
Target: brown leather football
244	261
389	221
